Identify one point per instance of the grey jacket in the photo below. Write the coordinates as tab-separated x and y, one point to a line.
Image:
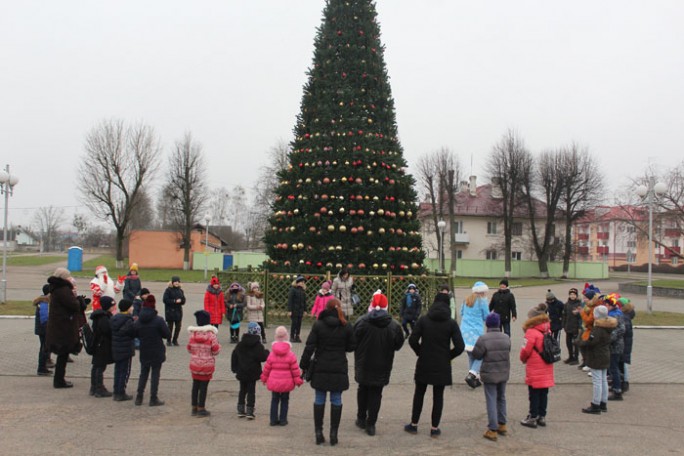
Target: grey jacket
494	349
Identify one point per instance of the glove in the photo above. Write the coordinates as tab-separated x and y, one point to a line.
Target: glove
121	279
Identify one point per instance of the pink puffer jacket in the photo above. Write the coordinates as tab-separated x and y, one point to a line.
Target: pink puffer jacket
203	347
281	372
538	374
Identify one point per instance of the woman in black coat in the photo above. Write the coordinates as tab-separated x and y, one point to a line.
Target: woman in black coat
102	341
377	337
328	343
431	341
151	329
63	323
174	299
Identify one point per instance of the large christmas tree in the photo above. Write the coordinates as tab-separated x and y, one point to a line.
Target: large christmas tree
345	198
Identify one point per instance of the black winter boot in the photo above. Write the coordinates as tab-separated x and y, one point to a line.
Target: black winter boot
335	416
604	407
138	399
319	411
615	396
155	402
594	409
625	387
241	411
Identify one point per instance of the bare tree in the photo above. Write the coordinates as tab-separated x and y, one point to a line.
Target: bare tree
142	218
117	163
185	191
505	167
47	221
581	191
547	178
81	224
437	172
265	186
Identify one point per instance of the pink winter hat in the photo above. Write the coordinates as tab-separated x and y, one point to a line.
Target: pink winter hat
281	334
326	285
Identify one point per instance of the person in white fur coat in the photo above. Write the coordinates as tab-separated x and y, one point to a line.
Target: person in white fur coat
103	285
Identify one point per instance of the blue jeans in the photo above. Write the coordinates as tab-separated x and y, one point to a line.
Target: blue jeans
615	359
282	399
506	328
599	382
474	365
335	397
495	395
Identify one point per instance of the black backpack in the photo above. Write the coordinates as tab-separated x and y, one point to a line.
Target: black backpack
551	351
88	339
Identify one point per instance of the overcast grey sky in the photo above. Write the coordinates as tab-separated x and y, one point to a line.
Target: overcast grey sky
608	74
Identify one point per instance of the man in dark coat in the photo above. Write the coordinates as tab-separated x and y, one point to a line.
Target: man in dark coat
555	311
123	348
572	322
63	323
503	303
102	341
431	341
296	307
151	329
377	338
174	299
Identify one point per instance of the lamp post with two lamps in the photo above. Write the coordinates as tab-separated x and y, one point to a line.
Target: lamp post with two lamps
441	225
649	194
7	183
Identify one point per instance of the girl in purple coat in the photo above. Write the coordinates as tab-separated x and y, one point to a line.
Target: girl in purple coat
281	374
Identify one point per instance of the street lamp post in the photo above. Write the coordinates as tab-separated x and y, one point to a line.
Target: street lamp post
441	225
649	194
207	219
7	183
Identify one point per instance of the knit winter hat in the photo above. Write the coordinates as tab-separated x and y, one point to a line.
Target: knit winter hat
106	302
150	301
590	291
480	287
253	285
214	281
503	282
46	289
202	317
300	279
134	267
550	295
175	279
412	285
144	291
539	309
62	273
125	304
379	301
493	320
326	285
281	334
234	287
253	328
600	312
573	290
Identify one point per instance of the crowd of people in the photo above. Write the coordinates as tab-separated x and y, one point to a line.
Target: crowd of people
598	328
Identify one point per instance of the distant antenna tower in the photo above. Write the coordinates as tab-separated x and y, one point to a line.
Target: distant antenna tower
471	163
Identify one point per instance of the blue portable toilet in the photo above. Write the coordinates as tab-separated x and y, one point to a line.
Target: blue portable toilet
227	262
75	259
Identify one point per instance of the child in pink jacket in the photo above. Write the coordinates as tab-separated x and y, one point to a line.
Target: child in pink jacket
203	347
322	297
281	374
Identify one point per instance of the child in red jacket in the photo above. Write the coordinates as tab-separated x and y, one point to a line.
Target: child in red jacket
538	374
203	347
213	302
281	374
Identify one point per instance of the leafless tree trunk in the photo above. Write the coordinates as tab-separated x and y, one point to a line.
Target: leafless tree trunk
505	167
186	191
580	192
118	161
264	190
434	179
47	221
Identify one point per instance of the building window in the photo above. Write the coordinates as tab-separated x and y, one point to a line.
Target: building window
491	227
516	256
491	254
516	229
458	227
631	257
675	261
631	229
459	254
675	242
631	243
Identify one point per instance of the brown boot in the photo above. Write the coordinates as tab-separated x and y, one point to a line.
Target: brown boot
502	430
490	435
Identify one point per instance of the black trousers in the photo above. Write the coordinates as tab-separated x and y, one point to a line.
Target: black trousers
296	326
368	400
539	398
199	392
175	328
97	376
60	369
154	383
437	403
573	350
42	354
248	390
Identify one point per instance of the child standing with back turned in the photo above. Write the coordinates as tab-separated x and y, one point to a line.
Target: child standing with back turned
281	375
246	361
203	347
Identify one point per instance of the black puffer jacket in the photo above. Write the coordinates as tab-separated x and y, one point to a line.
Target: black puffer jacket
102	332
503	303
329	341
173	311
629	314
494	349
122	336
555	311
411	305
152	330
64	318
377	338
247	357
431	340
572	322
597	353
296	301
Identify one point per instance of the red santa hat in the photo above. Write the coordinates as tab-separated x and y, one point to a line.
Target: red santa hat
379	301
100	270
